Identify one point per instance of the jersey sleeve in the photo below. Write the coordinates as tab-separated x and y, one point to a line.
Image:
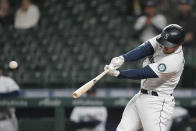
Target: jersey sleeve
165	67
154	43
12	85
139	52
75	115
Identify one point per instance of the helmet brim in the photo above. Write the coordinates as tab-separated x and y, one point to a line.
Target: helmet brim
164	42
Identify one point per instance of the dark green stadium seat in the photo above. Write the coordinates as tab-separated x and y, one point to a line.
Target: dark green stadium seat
29	124
72	43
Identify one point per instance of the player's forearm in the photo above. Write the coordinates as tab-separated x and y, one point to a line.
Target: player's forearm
139	52
143	73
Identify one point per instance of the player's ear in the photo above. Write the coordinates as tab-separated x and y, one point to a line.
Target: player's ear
178	45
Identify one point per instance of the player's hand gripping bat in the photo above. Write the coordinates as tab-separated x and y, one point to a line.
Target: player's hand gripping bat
83	89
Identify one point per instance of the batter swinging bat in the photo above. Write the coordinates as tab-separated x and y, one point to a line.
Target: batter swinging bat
83	89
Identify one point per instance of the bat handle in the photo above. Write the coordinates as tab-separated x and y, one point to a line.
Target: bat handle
101	75
88	85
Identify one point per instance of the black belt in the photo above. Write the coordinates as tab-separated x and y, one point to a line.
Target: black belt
153	93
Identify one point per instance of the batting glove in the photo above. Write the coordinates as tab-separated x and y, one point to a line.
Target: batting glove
117	62
112	70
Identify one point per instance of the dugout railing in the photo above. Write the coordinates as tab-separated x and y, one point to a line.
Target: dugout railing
60	104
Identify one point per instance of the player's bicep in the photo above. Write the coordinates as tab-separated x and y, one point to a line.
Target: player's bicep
139	52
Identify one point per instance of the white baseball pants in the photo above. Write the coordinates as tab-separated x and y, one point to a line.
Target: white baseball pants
7	125
148	112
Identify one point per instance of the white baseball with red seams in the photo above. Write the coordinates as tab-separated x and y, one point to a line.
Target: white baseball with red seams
153	112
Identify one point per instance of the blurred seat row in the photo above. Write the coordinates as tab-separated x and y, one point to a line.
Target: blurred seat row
71	44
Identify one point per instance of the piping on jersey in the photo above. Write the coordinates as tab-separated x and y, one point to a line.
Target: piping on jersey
160	114
178	52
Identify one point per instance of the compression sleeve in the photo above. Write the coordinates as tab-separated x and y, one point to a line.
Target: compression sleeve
143	73
140	52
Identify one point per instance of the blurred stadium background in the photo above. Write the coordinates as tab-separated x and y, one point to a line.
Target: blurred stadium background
72	42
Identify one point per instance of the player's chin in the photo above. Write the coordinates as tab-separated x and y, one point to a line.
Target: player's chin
167	50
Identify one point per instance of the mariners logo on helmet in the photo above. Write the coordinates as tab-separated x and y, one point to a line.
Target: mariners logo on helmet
165	36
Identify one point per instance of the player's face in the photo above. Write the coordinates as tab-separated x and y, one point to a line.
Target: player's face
184	8
150	11
167	50
25	4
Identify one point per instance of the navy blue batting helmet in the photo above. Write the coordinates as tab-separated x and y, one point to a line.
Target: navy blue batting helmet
171	36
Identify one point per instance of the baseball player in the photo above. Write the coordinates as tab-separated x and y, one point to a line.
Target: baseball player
8	88
152	107
94	116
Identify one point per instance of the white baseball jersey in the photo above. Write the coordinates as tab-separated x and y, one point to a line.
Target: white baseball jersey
83	113
152	113
7	85
168	67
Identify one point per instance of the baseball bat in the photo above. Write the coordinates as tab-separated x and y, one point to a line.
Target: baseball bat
83	89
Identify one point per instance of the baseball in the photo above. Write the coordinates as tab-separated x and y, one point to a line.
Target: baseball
13	65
